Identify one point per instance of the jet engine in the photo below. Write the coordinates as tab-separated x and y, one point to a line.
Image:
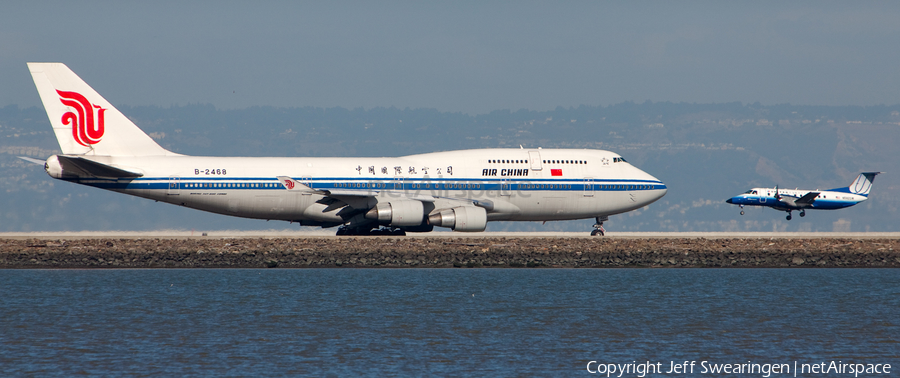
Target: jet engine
463	219
398	213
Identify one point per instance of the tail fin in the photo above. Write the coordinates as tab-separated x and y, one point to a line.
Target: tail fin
84	122
863	183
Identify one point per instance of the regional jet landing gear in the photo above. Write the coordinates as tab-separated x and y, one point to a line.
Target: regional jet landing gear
802	214
742	209
598	227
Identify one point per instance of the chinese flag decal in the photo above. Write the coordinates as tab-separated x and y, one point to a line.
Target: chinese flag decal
556	172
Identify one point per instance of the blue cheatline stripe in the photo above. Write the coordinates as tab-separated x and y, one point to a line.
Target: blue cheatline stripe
416	184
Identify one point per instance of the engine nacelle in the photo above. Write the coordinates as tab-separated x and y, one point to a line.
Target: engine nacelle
463	219
55	169
398	213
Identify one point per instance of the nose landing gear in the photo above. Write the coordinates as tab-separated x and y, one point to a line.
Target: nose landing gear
742	209
598	227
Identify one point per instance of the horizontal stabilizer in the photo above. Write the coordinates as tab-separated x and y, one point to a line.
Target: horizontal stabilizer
808	198
82	167
31	160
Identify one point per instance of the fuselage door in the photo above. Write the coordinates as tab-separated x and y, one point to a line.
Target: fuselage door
535	157
398	183
588	187
504	187
174	185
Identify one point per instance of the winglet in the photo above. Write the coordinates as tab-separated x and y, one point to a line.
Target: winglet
293	185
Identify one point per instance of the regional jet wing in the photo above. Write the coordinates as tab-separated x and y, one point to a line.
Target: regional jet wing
808	198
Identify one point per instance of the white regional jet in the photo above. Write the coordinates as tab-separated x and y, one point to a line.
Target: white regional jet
800	199
461	190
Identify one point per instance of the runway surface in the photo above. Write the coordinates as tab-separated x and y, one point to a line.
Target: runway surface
319	233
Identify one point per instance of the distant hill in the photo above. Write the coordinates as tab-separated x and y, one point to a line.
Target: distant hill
705	153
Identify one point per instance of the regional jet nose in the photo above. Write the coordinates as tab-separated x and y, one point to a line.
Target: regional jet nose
730	200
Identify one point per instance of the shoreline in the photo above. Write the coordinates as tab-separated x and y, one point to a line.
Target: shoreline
448	252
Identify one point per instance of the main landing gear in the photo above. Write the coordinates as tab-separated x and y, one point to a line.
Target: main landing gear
598	227
362	231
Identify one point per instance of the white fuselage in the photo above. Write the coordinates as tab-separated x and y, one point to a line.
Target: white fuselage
519	184
824	200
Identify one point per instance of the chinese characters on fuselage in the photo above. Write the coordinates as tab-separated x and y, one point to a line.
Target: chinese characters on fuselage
398	170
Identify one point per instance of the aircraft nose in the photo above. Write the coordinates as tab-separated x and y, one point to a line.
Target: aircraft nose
730	200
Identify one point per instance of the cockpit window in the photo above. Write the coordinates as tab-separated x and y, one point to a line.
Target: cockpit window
749	191
619	159
754	192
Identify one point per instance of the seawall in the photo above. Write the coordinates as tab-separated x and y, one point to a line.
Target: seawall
448	252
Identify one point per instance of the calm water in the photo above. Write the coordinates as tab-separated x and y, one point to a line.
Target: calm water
420	322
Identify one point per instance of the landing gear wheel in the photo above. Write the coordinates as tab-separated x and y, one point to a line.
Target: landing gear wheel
788	217
802	213
357	231
598	228
742	212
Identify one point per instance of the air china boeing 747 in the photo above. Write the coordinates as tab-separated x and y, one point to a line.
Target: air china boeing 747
460	190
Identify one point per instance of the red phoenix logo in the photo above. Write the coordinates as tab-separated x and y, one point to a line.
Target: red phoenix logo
289	184
87	128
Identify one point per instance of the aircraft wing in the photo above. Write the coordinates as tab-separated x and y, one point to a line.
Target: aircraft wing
297	186
807	198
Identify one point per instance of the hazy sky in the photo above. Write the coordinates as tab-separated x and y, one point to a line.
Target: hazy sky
472	57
